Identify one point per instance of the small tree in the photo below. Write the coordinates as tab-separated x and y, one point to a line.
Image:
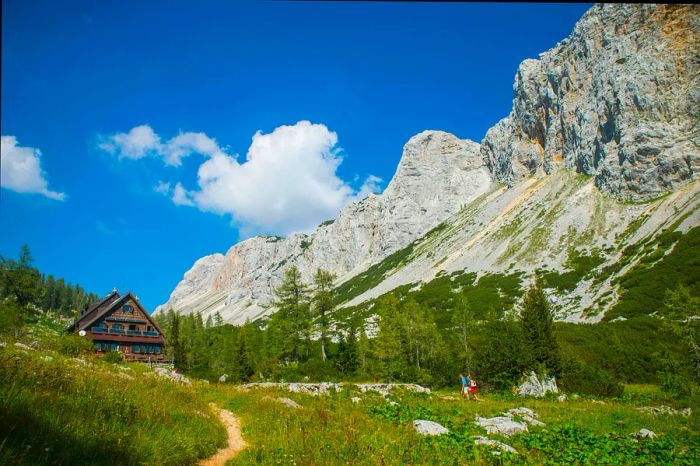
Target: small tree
538	329
174	339
682	310
323	303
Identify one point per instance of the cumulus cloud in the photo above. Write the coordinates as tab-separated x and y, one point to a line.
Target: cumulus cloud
20	169
287	182
142	141
139	142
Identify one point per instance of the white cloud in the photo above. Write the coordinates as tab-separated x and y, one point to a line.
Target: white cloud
162	188
139	142
180	196
142	141
20	169
288	181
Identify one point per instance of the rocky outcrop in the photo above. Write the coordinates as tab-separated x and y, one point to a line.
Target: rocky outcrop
437	175
619	99
537	386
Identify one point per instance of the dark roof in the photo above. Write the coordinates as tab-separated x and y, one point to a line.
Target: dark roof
98	311
91	310
125	338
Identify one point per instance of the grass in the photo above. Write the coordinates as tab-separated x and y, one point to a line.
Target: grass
333	430
56	409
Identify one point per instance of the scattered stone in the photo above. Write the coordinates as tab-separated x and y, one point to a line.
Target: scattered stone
124	368
533	386
645	433
562	397
3	344
124	376
598	402
313	389
619	319
385	388
223	378
532	421
47	358
502	425
424	427
23	346
521	412
356	399
495	443
665	410
172	375
575	396
391	402
288	402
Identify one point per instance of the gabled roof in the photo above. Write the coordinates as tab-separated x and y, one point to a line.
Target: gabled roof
114	295
87	320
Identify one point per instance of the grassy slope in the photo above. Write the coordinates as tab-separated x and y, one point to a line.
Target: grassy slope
56	409
334	430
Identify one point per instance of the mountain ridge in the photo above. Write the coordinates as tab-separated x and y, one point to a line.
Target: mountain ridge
613	102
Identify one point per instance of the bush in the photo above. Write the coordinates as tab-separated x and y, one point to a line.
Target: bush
114	357
580	377
74	345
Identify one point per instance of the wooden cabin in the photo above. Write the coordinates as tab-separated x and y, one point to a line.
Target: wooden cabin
120	323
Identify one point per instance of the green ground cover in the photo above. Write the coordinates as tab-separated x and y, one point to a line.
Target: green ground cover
333	429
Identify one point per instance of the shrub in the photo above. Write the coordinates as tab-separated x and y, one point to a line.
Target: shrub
73	345
580	377
114	357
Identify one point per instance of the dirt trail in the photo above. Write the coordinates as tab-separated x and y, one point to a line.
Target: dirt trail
235	439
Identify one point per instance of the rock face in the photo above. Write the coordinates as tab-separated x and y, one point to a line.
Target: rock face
619	99
437	175
610	113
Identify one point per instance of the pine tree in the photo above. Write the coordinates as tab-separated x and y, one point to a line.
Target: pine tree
346	359
218	320
292	318
463	325
243	367
323	303
682	310
538	329
174	339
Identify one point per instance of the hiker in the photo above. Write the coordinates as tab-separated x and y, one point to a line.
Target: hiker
465	386
472	387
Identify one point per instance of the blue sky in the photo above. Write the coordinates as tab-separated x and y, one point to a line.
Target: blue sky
112	207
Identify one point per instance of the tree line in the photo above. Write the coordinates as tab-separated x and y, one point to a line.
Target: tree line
306	340
24	290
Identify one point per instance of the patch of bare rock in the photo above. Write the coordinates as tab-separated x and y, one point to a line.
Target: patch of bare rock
172	375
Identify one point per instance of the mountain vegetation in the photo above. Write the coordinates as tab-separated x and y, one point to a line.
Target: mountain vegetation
24	290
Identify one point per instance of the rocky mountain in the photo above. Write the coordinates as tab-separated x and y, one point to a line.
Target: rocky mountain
437	175
603	127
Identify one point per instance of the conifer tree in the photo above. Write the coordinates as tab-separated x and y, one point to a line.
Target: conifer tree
323	303
292	318
538	329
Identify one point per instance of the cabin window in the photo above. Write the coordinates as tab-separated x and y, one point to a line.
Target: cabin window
117	326
102	324
150	348
98	346
149	328
113	346
137	349
132	327
157	349
128	309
